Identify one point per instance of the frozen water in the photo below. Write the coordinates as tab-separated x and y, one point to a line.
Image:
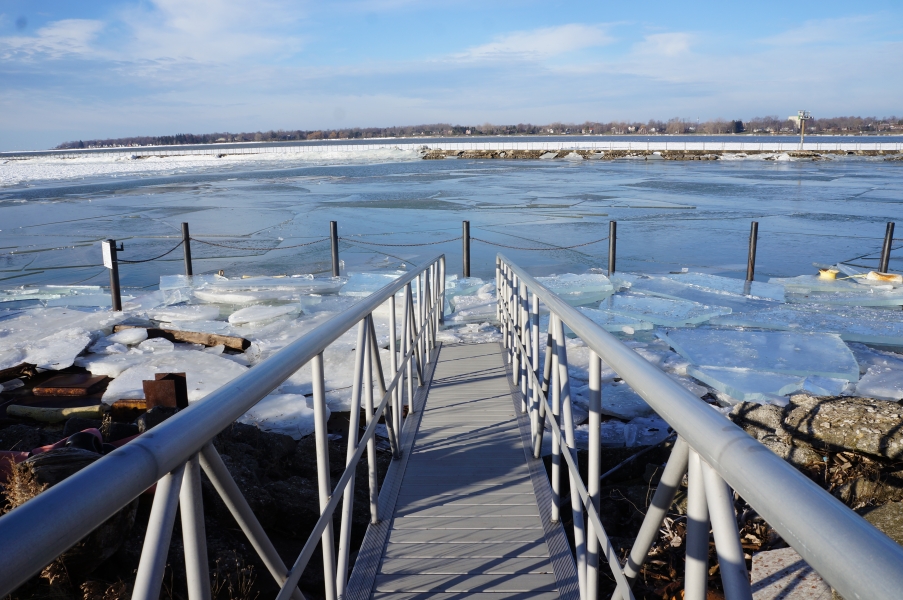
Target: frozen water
579	290
263	314
99	299
805	284
129	337
804	354
364	284
877	295
883	383
472	333
619	400
479	306
156	345
730	285
197	312
204	372
171	282
214	295
640	431
613	322
746	385
54	352
657	285
661	311
288	414
853	324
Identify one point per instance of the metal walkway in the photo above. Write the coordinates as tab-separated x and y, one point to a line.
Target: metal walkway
467	518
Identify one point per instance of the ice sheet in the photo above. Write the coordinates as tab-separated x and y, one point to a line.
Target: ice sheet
54	352
657	285
619	400
578	290
871	296
614	322
853	324
171	282
730	285
822	354
804	284
215	295
263	314
205	373
746	385
364	284
641	431
661	311
288	414
196	312
883	383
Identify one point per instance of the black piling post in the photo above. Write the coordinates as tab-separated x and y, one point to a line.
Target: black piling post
111	262
186	246
612	246
334	243
751	261
465	249
885	251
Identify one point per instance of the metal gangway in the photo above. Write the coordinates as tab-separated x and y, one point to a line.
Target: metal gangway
466	508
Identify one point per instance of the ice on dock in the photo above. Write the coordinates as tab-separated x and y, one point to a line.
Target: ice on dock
853	324
822	354
195	312
263	313
661	311
579	290
478	305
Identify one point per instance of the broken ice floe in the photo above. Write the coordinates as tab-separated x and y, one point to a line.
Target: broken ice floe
263	314
665	287
804	354
579	290
746	385
288	414
661	311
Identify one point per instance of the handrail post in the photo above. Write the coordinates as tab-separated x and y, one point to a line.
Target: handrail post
534	340
697	562
465	247
593	472
111	261
152	564
324	482
194	539
393	363
371	443
612	246
731	563
186	248
885	250
442	290
556	411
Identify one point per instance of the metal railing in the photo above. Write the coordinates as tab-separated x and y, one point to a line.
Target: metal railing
172	455
849	553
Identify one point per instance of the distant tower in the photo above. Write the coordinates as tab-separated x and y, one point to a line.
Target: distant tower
803	116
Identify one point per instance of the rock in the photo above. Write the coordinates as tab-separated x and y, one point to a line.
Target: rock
76	424
784	575
765	423
858	424
154	417
887	518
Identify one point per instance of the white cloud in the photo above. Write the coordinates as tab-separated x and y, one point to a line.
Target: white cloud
55	40
540	43
665	44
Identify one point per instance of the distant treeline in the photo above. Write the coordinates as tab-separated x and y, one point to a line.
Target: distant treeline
759	125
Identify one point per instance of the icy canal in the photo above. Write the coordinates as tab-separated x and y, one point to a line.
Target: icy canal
677	299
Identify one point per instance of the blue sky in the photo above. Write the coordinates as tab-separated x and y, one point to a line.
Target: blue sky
79	70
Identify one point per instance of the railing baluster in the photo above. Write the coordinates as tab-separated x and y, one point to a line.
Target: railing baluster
225	486
546	387
567	418
593	472
393	364
371	443
667	488
381	380
194	538
324	482
697	563
152	565
417	343
731	563
409	369
353	427
556	411
534	339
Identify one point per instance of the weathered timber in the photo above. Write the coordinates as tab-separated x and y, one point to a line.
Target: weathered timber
55	415
23	370
192	337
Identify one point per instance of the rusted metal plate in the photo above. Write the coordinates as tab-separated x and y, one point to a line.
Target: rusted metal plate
167	389
73	384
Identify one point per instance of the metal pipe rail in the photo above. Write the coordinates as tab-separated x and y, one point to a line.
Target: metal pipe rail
853	557
173	454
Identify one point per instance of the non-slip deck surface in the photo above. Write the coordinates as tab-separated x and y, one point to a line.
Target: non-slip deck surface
466	522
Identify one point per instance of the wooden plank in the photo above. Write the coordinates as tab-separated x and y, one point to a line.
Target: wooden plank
192	337
466	566
530	582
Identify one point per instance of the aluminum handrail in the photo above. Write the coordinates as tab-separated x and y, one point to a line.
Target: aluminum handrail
35	533
848	552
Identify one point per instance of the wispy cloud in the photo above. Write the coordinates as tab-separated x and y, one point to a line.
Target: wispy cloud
67	37
539	43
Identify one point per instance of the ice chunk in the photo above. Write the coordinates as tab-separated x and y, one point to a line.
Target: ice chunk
642	431
11	357
205	373
263	314
579	290
220	327
129	337
872	296
619	400
196	312
614	322
853	324
730	285
804	284
171	282
883	383
55	351
745	385
85	300
823	354
156	345
655	285
289	414
661	311
364	284
214	295
295	285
